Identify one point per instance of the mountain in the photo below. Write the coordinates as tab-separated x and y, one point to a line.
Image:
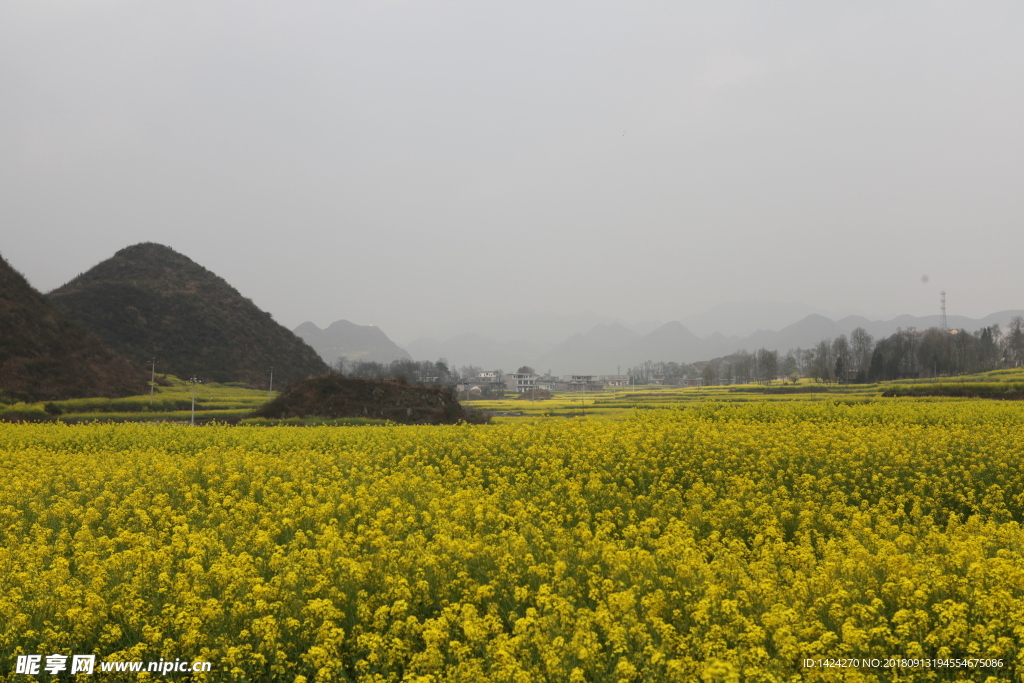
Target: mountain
590	352
741	318
609	347
46	356
610	335
884	328
540	328
671	342
534	339
148	301
471	348
354	342
804	333
602	352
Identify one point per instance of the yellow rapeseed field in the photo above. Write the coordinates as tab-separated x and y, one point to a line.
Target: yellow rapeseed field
716	542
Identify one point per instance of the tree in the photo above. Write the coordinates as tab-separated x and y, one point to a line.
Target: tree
791	366
988	347
841	357
861	346
468	373
709	372
892	356
408	371
823	363
1015	341
767	365
934	352
741	368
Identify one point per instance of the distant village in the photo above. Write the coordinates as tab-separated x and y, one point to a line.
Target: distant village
491	383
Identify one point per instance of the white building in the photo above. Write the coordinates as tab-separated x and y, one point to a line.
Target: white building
520	382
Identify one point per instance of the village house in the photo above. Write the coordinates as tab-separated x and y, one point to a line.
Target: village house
521	382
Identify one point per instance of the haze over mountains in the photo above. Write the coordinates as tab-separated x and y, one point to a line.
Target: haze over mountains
149	301
741	318
344	339
609	347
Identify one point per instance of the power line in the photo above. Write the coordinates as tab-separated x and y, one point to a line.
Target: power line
194	381
152	382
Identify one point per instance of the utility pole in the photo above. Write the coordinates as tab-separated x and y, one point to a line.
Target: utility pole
942	305
270	391
194	381
152	382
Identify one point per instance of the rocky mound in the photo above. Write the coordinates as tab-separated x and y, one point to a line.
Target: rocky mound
45	356
334	396
148	301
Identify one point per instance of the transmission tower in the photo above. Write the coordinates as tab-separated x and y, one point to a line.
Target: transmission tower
942	306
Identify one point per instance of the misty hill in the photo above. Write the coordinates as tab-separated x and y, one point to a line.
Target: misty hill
672	337
148	301
884	328
673	342
803	333
512	340
609	348
46	356
539	328
581	352
741	318
353	342
476	349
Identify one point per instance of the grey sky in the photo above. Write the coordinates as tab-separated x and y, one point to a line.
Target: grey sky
408	163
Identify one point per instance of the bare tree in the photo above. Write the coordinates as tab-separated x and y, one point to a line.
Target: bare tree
709	372
934	352
861	346
791	366
1015	341
823	363
841	358
766	364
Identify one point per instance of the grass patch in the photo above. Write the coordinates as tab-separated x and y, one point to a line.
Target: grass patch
1006	391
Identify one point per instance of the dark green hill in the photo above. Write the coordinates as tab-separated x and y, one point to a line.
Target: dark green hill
46	356
148	301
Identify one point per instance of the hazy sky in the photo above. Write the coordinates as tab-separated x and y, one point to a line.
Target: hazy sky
408	163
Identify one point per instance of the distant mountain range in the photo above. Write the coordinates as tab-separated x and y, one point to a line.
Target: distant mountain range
148	301
541	328
471	348
609	348
353	342
742	318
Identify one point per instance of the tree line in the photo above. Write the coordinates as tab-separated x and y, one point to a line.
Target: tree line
856	358
409	371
